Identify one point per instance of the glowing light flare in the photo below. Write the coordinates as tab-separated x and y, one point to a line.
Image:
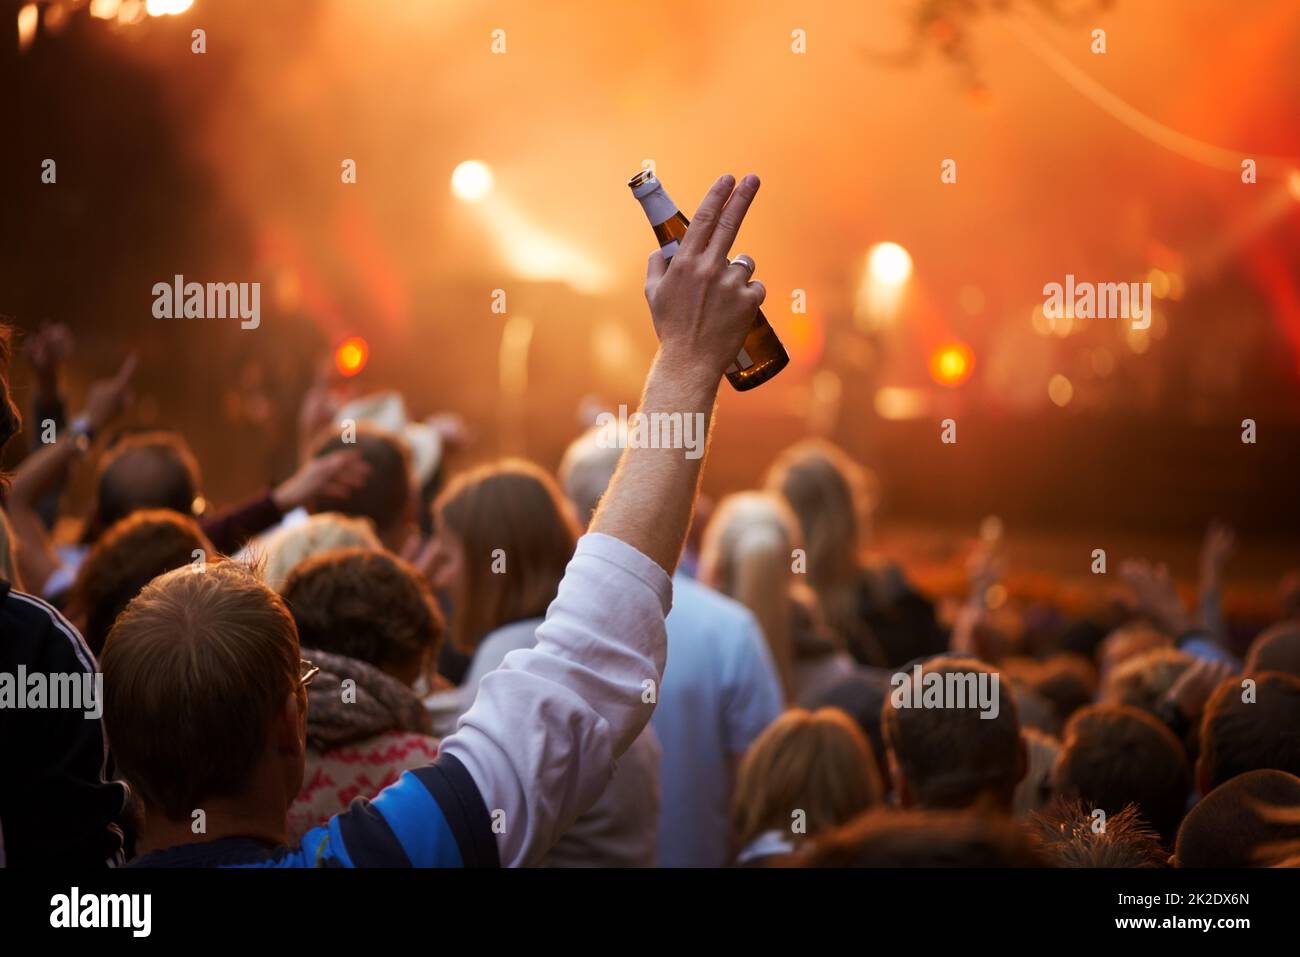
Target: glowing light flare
471	181
889	264
167	8
351	356
951	364
1060	390
899	403
131	11
104	9
1293	184
28	17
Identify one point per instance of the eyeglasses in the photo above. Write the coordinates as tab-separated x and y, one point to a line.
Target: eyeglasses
306	672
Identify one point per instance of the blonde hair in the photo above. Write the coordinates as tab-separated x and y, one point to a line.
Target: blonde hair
815	762
287	548
746	553
833	497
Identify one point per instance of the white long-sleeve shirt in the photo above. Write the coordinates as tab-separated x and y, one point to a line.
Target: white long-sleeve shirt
544	731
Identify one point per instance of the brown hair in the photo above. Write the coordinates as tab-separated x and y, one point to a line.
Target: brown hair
364	604
195	669
831	495
10	421
1238	824
511	511
1065	834
143	470
1239	736
817	762
949	756
385	496
1277	649
913	838
1116	755
131	554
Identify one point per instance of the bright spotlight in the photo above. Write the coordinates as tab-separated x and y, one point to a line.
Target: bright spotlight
351	356
471	181
889	264
951	364
167	8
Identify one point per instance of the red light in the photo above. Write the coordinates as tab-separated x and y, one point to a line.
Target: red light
951	364
351	356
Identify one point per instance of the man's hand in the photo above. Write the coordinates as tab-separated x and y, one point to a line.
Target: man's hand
106	399
1156	594
702	305
1195	685
336	474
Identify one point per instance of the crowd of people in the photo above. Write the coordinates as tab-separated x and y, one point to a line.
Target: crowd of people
381	661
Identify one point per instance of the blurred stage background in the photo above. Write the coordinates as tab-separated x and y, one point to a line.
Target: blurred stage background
1124	166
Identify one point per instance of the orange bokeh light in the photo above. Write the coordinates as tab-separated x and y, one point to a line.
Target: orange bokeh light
951	364
351	356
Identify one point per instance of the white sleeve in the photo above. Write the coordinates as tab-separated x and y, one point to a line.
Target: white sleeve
541	738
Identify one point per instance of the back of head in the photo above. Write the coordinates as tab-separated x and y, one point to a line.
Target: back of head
324	531
385	497
811	763
954	736
217	647
861	696
1248	727
1126	641
830	495
1070	834
746	554
1277	649
1115	755
517	534
1142	679
586	469
913	838
145	470
1251	821
127	557
365	604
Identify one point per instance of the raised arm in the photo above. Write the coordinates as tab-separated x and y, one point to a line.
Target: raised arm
542	736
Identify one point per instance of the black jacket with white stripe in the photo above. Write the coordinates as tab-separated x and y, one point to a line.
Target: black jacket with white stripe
57	807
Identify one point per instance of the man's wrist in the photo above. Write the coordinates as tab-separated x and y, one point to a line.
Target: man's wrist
691	380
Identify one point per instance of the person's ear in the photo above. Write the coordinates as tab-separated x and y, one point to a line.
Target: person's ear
290	724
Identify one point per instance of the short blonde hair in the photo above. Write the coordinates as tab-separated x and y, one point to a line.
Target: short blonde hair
287	548
817	762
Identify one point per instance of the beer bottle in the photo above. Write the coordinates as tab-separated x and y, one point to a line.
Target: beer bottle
761	356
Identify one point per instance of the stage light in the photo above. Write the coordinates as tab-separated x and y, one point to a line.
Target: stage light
471	181
167	8
28	17
1060	390
889	264
1293	184
351	356
899	403
104	9
951	364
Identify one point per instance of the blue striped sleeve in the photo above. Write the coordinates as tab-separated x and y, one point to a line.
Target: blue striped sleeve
431	817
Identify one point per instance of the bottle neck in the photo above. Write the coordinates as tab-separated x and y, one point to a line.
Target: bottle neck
659	208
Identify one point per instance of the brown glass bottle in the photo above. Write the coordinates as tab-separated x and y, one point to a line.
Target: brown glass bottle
762	356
